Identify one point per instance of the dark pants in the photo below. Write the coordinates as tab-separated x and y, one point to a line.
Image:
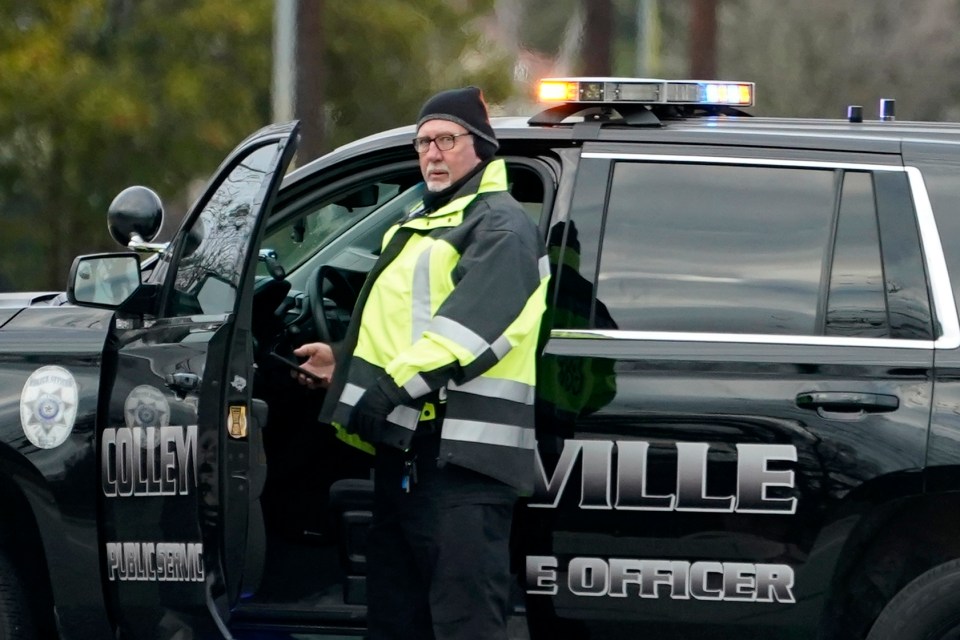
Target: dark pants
438	559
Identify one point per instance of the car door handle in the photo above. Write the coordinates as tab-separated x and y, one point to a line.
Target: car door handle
847	402
183	383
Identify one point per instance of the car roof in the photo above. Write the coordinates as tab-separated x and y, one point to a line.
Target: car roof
742	131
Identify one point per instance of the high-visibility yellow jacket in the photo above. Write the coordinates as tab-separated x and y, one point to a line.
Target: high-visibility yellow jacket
454	304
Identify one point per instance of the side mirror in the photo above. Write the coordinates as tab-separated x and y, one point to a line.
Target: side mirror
135	216
103	280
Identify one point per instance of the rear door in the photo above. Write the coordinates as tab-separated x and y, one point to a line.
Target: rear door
179	443
740	360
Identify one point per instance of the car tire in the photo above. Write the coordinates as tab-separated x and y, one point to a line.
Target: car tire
928	608
16	620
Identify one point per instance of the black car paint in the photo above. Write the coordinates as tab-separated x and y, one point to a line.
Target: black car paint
61	523
665	396
856	481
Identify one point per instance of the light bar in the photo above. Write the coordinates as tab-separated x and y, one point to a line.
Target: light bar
646	91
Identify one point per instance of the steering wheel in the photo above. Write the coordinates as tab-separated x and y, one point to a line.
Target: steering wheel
341	291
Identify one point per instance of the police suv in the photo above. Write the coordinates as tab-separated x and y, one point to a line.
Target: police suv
748	401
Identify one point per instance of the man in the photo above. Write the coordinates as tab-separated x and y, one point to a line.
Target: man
438	374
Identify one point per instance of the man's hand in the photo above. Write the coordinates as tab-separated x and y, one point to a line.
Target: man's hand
319	362
370	414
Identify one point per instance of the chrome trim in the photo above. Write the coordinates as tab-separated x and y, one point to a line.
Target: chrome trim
744	338
147	247
944	306
760	162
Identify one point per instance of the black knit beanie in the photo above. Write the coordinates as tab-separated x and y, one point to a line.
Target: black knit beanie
467	108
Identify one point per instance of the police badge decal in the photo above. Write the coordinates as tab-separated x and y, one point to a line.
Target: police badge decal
146	406
48	406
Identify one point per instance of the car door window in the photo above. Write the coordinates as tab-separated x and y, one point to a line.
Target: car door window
346	227
295	242
856	305
722	248
216	244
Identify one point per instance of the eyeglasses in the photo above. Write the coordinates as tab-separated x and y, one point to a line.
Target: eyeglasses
444	141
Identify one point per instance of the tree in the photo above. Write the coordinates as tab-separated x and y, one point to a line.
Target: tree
310	91
703	39
96	95
597	57
815	57
589	37
384	58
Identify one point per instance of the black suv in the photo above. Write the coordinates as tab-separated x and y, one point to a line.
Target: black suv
748	401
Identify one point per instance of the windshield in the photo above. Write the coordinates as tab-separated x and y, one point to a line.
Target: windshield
376	206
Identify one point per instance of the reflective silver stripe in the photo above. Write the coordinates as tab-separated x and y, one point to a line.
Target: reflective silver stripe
404	416
505	435
543	265
417	387
501	347
351	394
460	334
498	388
420	302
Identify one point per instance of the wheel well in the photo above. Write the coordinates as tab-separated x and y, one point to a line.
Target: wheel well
20	539
895	544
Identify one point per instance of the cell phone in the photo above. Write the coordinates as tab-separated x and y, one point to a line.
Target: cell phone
296	367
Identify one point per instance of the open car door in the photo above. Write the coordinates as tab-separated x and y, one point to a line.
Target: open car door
182	464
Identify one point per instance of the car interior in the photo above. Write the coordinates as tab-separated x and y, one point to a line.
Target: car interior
318	495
